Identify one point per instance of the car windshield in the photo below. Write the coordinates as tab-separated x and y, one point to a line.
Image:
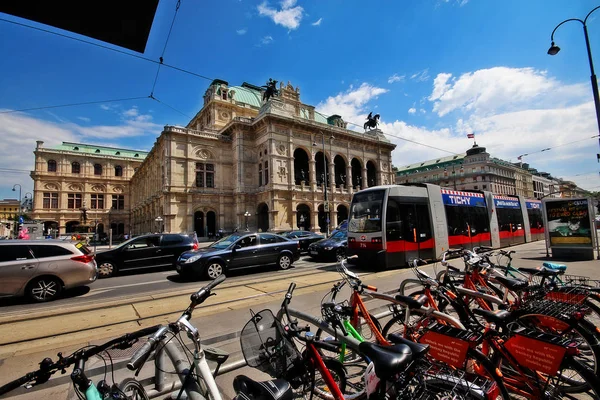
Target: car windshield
225	242
340	235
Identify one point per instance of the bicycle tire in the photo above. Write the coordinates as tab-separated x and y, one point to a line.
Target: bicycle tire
475	356
337	370
589	355
592	381
415	282
133	389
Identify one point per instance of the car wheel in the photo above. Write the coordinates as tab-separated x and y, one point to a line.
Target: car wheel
340	254
214	269
285	261
44	289
106	269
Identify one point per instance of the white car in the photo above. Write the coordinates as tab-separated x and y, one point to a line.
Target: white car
41	269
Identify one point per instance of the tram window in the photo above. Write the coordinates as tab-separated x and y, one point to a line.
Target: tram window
454	218
424	224
479	220
393	226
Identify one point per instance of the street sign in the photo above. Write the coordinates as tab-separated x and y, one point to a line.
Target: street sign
326	206
21	219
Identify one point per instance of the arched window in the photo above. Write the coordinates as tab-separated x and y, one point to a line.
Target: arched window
266	172
260	179
75	167
97	169
51	166
118	170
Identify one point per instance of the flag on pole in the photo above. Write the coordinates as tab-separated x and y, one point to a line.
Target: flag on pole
471	136
520	158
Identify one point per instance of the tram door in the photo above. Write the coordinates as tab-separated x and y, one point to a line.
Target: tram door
408	232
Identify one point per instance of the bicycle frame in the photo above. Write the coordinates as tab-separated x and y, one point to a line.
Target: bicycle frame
357	304
352	332
314	357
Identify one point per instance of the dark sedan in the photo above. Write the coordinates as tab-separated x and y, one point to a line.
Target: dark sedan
305	238
333	247
147	251
240	250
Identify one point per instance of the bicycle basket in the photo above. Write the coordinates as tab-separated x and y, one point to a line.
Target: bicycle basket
266	346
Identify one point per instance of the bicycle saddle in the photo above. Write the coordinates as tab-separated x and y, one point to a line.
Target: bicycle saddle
512	284
388	360
554	266
540	271
418	349
498	317
247	389
415	301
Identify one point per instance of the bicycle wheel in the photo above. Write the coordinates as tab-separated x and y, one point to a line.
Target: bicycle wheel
477	364
587	344
560	386
133	390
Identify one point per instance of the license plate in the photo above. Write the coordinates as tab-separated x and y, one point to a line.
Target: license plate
314	252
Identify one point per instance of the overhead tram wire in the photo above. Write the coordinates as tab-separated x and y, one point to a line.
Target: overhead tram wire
109	48
559	145
171	107
74	104
162	55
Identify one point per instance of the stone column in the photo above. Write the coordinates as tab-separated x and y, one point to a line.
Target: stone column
315	225
365	183
312	173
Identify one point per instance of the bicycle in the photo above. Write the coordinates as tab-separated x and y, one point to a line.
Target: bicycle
197	380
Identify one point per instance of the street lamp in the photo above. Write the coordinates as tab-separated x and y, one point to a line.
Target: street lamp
325	201
30	200
247	214
553	50
159	221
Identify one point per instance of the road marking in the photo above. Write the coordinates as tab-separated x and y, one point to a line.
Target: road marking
131	284
95	292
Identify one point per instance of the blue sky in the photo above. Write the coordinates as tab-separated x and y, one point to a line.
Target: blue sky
435	70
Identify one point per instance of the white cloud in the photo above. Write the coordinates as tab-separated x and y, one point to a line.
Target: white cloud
421	76
317	22
132	112
412	110
84	119
396	78
241	31
517	111
502	89
104	107
266	40
289	16
351	104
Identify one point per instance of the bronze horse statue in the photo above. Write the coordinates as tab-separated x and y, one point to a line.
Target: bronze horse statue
372	121
271	90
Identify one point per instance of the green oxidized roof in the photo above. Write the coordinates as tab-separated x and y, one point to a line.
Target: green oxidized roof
101	150
426	165
246	96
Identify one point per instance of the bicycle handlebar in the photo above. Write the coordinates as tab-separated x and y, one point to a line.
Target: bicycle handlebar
48	367
204	293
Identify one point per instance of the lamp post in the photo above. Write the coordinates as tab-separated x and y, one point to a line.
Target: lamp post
247	215
553	50
19	210
159	221
325	200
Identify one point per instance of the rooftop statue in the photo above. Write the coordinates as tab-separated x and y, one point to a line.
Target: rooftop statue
271	90
372	121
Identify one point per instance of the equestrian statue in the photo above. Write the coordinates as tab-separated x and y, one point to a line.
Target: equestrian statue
372	121
271	90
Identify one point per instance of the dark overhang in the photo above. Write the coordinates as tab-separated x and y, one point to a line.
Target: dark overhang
122	23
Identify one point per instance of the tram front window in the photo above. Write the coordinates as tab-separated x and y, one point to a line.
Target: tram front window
365	212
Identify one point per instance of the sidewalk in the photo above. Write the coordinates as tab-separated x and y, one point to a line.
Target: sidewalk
220	325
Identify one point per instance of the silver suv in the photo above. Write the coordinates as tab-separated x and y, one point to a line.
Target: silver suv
41	269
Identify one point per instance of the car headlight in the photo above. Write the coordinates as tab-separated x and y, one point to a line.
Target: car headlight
328	248
193	259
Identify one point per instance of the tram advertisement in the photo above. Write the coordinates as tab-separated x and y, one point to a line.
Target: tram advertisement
569	223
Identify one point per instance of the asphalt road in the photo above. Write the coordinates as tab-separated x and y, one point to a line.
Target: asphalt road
151	281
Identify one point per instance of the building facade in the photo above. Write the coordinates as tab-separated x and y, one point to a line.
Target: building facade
9	210
83	188
245	163
477	170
